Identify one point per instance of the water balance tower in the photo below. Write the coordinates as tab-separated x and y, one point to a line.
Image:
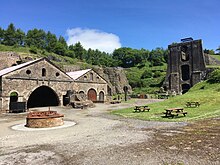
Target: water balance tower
186	65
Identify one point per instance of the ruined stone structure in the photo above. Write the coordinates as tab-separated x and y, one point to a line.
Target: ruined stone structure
186	65
9	59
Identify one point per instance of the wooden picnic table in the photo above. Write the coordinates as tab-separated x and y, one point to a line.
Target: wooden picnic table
141	108
192	104
171	112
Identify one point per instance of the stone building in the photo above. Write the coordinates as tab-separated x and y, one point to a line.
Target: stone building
186	65
40	83
36	83
90	84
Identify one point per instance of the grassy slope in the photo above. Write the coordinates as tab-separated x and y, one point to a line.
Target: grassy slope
216	57
63	60
207	94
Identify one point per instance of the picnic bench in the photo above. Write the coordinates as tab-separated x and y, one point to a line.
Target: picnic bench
141	108
171	112
192	104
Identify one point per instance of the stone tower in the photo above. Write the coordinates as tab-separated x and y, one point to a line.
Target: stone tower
186	65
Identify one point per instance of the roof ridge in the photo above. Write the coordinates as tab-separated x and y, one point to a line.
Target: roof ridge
13	68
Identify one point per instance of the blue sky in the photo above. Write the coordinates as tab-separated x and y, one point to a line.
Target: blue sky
118	23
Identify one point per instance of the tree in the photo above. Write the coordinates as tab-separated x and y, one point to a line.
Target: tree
36	38
79	51
209	51
59	49
51	41
218	49
70	53
63	42
157	56
20	37
10	35
124	57
1	35
128	57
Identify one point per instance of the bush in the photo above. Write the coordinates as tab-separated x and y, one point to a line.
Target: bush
157	74
214	77
146	74
33	50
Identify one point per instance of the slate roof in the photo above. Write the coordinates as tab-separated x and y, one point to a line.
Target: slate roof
13	68
75	75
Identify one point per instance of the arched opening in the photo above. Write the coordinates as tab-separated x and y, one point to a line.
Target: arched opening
43	96
43	72
185	88
185	72
82	94
101	96
13	97
91	76
92	95
14	105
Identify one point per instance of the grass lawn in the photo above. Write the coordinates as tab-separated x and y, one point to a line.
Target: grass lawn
207	94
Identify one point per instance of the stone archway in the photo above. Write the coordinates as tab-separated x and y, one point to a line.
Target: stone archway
13	97
43	96
101	96
92	95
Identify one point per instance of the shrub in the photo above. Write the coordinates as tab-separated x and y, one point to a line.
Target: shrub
33	50
146	74
157	74
214	77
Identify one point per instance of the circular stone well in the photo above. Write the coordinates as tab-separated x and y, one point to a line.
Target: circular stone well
44	119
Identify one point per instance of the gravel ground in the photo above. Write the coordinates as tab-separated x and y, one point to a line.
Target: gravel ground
99	138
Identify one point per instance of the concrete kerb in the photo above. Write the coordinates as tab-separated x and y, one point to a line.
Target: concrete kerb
21	127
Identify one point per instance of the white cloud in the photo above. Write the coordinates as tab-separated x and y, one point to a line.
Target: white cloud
94	39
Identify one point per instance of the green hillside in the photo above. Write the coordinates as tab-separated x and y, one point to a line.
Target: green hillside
147	79
38	53
206	93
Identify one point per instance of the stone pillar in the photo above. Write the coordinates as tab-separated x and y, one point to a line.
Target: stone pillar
174	82
195	77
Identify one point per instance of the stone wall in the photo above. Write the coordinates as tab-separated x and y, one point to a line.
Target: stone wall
44	123
116	78
9	59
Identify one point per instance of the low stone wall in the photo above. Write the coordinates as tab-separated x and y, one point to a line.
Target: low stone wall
44	123
44	119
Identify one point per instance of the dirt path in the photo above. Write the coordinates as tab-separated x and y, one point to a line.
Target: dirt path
99	138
